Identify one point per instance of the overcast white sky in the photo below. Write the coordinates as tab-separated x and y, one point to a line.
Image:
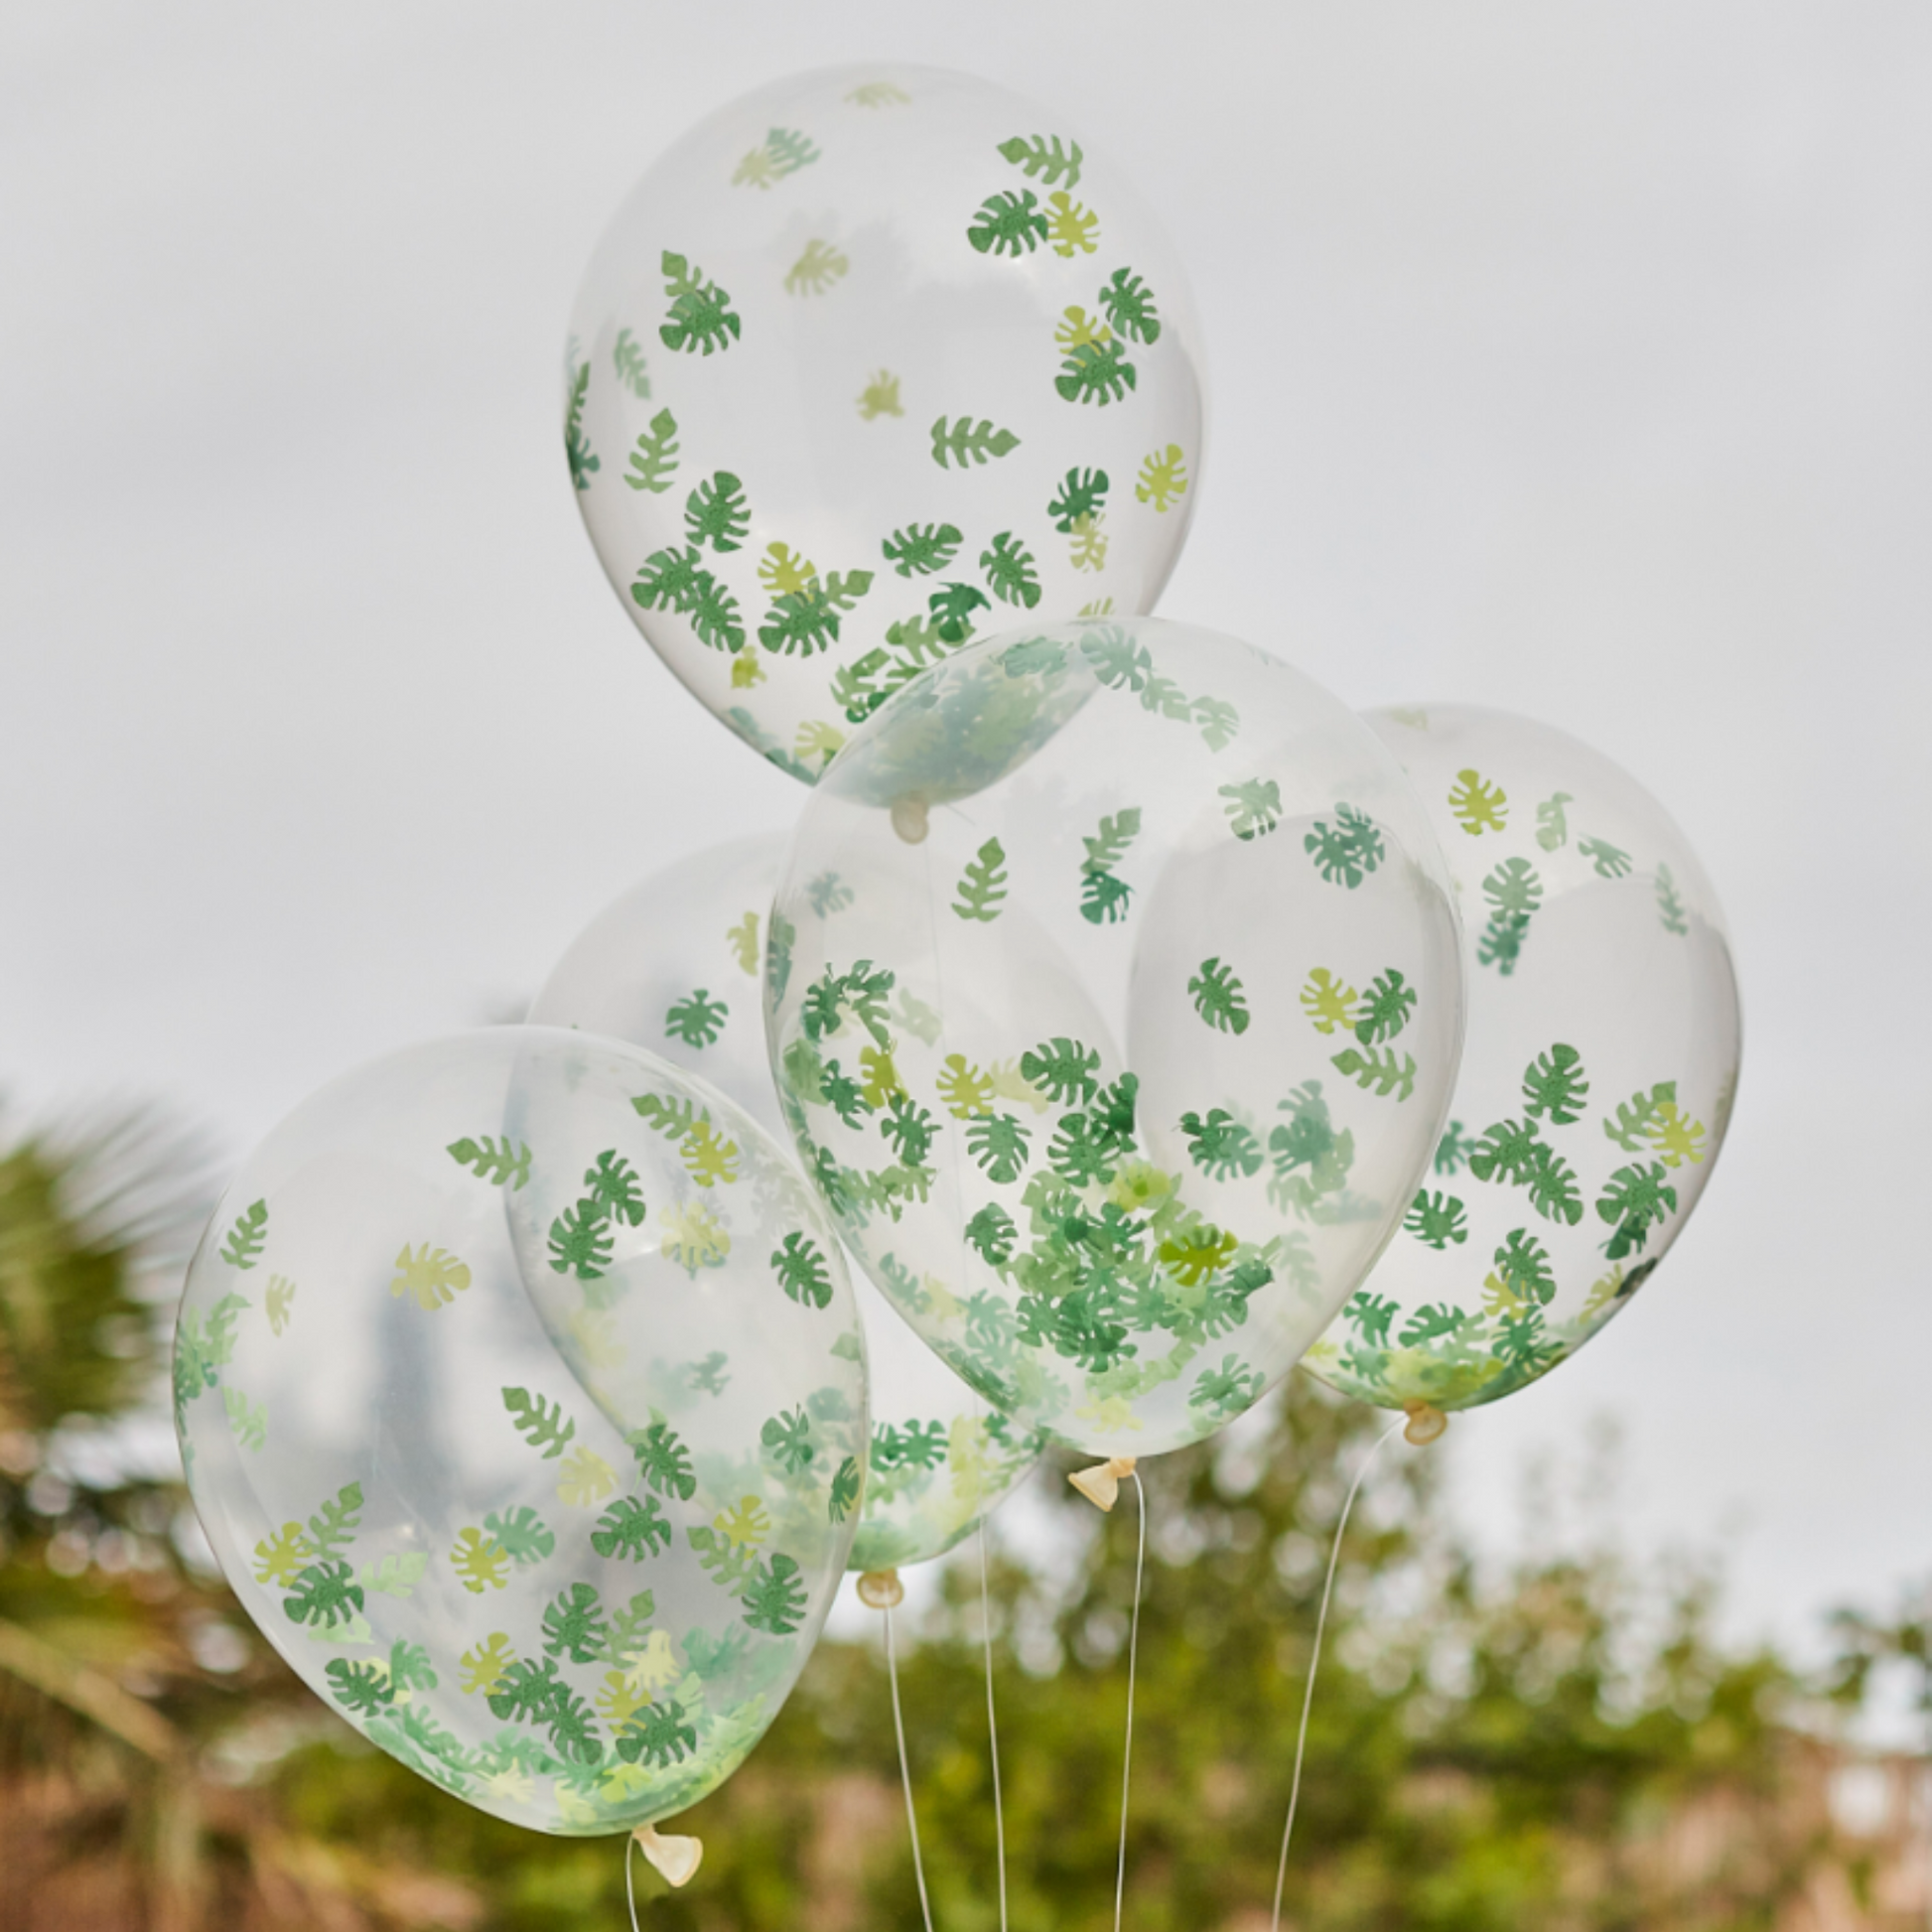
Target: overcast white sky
1573	360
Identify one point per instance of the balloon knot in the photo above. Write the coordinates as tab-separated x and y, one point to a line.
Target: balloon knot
1426	1421
1100	1484
881	1590
677	1860
910	819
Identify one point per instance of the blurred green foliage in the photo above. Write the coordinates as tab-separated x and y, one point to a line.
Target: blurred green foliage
1485	1752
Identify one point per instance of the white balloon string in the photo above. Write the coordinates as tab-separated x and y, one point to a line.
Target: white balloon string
906	1773
993	1726
1133	1657
1315	1659
630	1891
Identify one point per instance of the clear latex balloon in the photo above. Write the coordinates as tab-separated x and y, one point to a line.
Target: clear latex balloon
1597	1080
1047	1057
395	1441
673	965
871	361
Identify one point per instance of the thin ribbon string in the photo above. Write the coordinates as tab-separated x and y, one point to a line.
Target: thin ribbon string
1315	1659
993	1726
630	1891
1133	1657
906	1772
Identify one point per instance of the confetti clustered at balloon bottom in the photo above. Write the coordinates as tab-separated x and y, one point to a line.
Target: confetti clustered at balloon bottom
866	365
515	1526
674	965
1045	1056
1596	1081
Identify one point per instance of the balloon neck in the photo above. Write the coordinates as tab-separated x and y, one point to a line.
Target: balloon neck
675	1859
1426	1421
910	819
881	1590
1100	1484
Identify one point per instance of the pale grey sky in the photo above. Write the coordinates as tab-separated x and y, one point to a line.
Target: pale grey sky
1571	359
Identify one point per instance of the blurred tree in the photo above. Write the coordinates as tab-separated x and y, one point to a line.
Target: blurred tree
1517	1752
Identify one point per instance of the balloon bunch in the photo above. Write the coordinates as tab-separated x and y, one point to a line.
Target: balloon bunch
1137	1019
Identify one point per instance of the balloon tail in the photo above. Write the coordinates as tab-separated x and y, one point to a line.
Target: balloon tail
905	1770
675	1859
1425	1422
993	1728
1100	1484
1133	1658
1315	1654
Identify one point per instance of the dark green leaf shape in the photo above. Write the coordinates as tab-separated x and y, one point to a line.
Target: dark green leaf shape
788	1438
697	1018
1556	1088
633	1529
1010	571
1509	1152
326	1594
332	1527
1129	304
1082	492
581	1241
774	1599
543	1425
715	512
1523	1265
1434	1322
1008	223
1218	998
574	1625
1220	1145
920	549
908	1128
992	1231
1436	1219
847	1487
656	1734
1062	1069
801	1271
1630	1124
701	315
359	1688
611	1185
1387	1008
1635	1199
999	1144
663	1461
1096	372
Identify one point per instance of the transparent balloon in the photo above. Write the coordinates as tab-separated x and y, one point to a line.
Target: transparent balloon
1597	1078
1042	969
869	362
414	1487
674	965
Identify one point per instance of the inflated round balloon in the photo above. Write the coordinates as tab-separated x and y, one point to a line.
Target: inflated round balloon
871	361
673	965
419	1497
1597	1078
1038	1007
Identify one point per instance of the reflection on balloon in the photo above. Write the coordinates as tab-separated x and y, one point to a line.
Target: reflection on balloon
566	1568
673	965
1052	1063
1598	1078
869	361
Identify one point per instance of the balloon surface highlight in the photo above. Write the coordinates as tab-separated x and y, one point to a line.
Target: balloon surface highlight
1051	1064
1596	1081
870	363
508	1429
675	965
